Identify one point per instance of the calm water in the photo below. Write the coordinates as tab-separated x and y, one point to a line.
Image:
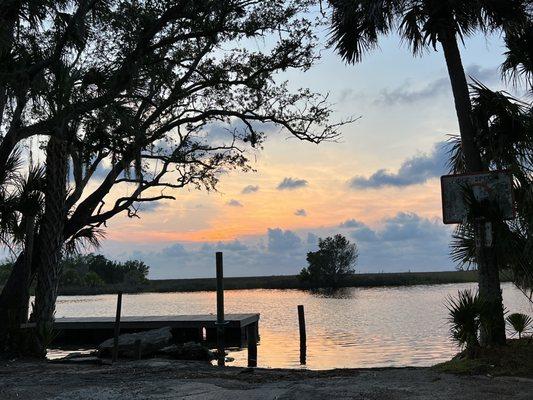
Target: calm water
357	327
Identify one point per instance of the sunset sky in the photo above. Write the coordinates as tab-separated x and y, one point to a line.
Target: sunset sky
378	185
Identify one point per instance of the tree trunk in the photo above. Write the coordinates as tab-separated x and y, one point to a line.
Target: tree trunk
12	301
15	296
493	324
51	242
492	331
9	14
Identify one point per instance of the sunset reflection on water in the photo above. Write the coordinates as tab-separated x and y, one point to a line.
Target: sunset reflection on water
354	327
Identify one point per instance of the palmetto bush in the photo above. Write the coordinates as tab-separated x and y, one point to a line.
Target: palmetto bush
464	317
520	323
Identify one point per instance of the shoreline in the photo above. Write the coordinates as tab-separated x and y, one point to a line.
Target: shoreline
394	279
156	379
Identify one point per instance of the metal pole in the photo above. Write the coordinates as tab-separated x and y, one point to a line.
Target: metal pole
303	335
220	310
117	327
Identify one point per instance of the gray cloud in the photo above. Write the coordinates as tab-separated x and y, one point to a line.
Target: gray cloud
280	241
406	241
405	94
407	226
234	203
404	226
300	213
351	223
149	206
415	170
312	240
250	189
359	231
174	250
482	74
291	184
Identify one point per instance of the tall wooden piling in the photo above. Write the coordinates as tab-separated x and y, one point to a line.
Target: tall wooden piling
220	310
251	336
117	327
303	335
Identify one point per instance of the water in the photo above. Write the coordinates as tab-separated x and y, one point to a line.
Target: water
355	327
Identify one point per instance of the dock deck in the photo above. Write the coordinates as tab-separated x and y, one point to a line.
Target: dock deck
155	322
90	331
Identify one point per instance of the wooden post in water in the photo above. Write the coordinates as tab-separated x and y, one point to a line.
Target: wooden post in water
220	310
117	327
251	336
303	335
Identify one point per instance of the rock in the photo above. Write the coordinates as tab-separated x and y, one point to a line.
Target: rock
77	358
188	351
150	343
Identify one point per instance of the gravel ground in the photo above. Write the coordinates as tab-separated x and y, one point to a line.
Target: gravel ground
165	379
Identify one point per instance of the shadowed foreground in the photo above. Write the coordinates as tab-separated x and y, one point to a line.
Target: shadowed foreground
164	379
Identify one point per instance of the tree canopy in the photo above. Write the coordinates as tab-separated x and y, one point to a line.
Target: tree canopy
129	100
335	258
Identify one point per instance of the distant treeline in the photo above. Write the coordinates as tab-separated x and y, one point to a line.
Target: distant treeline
279	282
92	272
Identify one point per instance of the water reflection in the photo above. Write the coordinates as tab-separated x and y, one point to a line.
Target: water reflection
338	293
353	327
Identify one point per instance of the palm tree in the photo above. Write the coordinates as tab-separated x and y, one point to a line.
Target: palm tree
356	28
20	209
506	142
51	241
519	322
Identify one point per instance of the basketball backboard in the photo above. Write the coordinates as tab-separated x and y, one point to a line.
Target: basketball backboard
494	186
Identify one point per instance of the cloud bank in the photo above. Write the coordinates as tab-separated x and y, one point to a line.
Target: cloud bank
405	241
415	170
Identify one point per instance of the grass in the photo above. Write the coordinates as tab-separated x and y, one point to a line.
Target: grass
277	282
515	359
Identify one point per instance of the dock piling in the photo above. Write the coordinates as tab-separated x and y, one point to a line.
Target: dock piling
117	327
251	336
303	335
220	310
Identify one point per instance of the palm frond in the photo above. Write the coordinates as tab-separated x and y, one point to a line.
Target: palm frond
357	24
464	317
518	62
519	322
88	237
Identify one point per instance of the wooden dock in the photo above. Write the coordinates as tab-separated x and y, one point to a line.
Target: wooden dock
91	331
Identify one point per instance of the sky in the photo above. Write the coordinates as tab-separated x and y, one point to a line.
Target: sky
378	185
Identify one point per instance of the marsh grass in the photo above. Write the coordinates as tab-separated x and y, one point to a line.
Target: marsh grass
277	282
515	359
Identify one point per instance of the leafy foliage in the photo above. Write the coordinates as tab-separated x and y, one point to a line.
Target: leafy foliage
520	323
465	319
96	270
335	258
169	94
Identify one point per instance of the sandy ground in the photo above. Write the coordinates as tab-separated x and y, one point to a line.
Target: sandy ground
164	379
